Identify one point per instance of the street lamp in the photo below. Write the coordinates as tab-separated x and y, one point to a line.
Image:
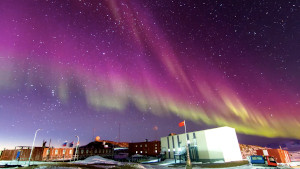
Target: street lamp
33	145
77	144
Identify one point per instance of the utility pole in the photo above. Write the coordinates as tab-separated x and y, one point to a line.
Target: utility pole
119	132
93	134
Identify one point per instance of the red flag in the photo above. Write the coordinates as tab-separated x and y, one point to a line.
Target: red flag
181	124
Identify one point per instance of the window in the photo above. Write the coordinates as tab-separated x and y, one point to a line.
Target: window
145	145
145	151
155	147
82	151
95	151
173	141
135	145
87	151
56	152
64	151
155	151
141	152
70	152
48	152
141	145
178	141
136	152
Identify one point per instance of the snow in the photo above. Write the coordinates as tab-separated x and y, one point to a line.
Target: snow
24	163
101	162
97	160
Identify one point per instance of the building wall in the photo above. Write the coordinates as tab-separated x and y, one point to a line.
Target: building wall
151	148
281	156
207	145
86	152
58	154
24	154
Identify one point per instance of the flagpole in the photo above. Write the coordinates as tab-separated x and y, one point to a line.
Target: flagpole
188	161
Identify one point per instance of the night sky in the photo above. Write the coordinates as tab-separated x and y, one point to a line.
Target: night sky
85	67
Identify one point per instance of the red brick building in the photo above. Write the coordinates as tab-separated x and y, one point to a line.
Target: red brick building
58	154
147	148
22	153
281	156
101	148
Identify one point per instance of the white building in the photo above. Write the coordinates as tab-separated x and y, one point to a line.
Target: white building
206	146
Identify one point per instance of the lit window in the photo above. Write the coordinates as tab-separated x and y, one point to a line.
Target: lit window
48	152
145	145
141	152
173	149
95	151
136	152
141	145
64	151
155	145
135	145
82	151
56	152
155	151
146	152
70	152
169	150
87	151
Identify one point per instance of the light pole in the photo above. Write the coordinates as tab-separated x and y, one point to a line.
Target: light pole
32	146
77	144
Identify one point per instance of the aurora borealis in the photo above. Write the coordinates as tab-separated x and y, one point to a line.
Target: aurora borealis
73	66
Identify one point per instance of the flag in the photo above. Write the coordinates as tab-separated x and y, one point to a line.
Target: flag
181	124
71	144
65	144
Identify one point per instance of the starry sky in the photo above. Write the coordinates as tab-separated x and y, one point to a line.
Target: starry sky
88	68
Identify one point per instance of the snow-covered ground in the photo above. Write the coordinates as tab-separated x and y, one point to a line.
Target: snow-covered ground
24	163
107	163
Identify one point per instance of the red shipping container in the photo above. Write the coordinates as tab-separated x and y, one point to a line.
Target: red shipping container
281	156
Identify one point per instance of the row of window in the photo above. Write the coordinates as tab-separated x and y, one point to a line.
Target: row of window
145	145
96	151
82	151
56	152
136	152
179	149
